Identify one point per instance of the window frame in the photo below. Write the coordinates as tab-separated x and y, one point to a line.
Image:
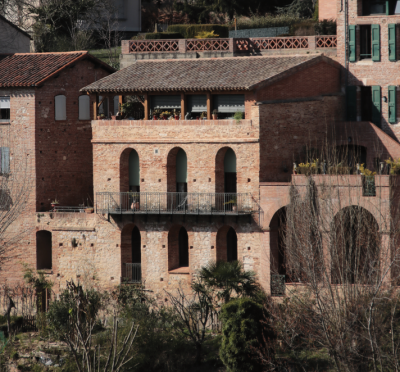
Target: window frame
4	98
57	113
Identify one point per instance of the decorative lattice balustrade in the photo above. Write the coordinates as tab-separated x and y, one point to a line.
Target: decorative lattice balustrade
272	43
230	45
205	45
153	46
326	41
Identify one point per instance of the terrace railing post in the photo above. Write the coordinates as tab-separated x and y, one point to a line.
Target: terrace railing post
312	42
182	45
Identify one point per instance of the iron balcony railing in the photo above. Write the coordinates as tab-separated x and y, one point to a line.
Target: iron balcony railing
278	285
175	203
132	273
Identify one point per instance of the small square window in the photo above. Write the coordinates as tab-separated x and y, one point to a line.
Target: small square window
4	109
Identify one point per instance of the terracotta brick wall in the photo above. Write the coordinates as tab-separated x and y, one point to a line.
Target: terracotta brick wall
63	148
326	9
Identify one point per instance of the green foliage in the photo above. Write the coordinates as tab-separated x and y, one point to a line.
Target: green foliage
241	332
394	166
316	11
366	172
326	27
299	8
238	116
36	279
226	279
190	31
206	35
279	20
163	35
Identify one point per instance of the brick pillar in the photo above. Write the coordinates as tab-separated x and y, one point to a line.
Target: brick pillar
125	46
232	44
312	42
182	46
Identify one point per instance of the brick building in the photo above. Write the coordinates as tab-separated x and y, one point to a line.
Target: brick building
171	195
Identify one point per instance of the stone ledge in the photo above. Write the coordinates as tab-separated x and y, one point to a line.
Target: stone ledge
181	271
62	228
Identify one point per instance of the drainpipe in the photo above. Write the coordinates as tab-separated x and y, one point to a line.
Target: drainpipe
346	45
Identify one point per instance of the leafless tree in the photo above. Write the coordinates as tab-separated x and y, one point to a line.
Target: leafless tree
339	249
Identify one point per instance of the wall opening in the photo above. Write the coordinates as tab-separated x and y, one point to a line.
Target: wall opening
277	243
227	244
225	171
129	171
131	256
177	170
178	248
44	250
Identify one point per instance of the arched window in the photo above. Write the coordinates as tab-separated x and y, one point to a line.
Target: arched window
227	244
84	108
43	250
60	103
181	171
277	243
230	171
355	247
131	256
129	171
178	248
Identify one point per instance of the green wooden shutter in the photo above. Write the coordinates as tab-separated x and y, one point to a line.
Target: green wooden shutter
352	43
392	104
376	43
351	103
392	42
376	105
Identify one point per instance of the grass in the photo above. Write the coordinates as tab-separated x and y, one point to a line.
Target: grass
103	54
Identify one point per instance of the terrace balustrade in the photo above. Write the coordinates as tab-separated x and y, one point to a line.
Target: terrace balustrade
175	203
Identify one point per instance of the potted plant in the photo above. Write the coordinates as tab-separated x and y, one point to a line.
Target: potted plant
215	115
239	116
54	204
233	203
176	115
203	116
102	117
89	210
394	166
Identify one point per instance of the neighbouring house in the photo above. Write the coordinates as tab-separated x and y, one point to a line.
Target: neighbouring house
45	121
12	38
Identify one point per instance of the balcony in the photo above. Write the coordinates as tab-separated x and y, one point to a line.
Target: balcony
175	203
131	273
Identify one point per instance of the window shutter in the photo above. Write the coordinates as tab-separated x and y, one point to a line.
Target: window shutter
352	43
392	104
376	43
376	105
392	42
116	105
351	103
5	160
84	108
60	107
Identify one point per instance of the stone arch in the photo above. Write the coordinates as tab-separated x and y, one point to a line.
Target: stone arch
129	169
226	171
277	242
284	201
354	246
177	170
44	246
178	247
131	248
227	244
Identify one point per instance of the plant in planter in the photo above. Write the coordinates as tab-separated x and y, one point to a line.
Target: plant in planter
239	116
215	114
232	203
176	114
394	166
308	168
203	116
339	169
54	204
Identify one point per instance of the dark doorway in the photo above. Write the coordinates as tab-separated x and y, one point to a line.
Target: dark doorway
351	155
231	240
365	42
183	248
230	182
136	246
366	104
43	250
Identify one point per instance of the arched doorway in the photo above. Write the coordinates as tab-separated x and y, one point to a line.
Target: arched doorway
227	244
355	247
351	155
44	250
230	172
178	248
277	242
131	256
129	171
177	170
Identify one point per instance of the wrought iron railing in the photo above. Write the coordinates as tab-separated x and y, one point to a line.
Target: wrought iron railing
175	203
278	285
132	273
369	188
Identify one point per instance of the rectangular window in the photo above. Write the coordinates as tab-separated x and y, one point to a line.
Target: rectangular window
5	160
166	102
196	103
392	90
366	104
351	103
229	103
380	7
84	108
60	107
365	42
4	109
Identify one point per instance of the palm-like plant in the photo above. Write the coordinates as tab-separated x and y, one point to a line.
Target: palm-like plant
226	279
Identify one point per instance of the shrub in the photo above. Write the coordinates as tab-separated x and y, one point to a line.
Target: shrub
241	334
326	27
282	20
163	35
190	31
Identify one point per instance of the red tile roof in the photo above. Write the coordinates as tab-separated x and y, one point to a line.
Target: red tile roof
33	69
